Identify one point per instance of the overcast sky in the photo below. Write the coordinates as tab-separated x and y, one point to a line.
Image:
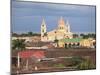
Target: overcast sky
27	16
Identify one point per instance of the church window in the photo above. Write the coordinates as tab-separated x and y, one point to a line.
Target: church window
60	27
42	30
43	25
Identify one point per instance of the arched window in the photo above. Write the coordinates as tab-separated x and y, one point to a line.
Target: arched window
73	45
69	45
78	44
43	25
43	30
66	46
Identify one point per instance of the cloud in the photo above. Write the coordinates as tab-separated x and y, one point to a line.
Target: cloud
51	8
28	15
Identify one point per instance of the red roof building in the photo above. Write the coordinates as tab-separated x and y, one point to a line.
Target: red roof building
28	54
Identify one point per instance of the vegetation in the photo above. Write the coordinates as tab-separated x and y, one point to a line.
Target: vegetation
30	33
81	63
86	64
18	44
75	36
86	36
74	61
25	34
59	65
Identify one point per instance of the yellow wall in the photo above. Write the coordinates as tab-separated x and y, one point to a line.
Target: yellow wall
86	43
61	44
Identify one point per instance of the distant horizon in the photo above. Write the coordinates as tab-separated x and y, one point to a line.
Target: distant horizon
27	17
40	32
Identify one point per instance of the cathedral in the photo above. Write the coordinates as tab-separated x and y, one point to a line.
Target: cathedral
61	32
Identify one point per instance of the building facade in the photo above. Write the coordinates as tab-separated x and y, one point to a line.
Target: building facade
61	32
77	42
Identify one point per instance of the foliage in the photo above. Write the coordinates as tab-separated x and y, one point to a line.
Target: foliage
25	34
59	65
30	33
86	36
86	64
18	44
75	60
75	35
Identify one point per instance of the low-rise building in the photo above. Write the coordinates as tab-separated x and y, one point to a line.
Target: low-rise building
76	42
28	38
87	43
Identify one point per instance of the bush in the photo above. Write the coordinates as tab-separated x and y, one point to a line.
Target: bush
60	65
86	64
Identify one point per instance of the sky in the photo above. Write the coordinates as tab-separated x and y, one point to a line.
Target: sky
28	16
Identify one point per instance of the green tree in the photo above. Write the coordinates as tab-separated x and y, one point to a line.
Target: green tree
89	35
18	44
30	33
59	65
75	35
15	34
81	35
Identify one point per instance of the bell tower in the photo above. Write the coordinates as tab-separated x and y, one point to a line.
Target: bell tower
43	30
68	26
61	25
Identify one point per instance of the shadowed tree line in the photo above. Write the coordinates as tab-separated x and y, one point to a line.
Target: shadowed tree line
85	36
26	34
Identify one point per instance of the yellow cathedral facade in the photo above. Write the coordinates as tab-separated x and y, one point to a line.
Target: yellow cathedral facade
61	32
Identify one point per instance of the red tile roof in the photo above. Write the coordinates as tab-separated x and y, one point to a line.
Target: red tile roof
28	54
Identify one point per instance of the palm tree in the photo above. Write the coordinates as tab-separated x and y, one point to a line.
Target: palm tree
18	44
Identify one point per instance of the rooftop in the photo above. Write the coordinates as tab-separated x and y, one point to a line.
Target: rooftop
71	40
